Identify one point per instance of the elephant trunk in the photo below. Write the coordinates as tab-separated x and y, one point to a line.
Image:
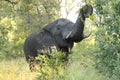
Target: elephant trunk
78	29
85	12
86	36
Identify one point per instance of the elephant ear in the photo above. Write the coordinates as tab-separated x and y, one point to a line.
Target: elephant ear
86	10
52	27
49	27
61	27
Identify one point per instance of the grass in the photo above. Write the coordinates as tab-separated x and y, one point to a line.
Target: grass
77	71
17	69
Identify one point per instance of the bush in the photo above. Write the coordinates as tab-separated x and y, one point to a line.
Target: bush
107	54
51	68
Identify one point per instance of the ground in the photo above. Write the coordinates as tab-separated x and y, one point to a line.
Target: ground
18	69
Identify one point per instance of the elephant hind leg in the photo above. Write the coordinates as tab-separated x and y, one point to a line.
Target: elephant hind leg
32	63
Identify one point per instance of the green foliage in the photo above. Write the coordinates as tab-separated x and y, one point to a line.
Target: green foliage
7	31
108	38
18	18
24	16
52	67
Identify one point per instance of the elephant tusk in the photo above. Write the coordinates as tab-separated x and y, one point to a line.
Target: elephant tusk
90	29
68	34
86	36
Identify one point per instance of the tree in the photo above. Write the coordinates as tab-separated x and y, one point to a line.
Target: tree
21	17
108	38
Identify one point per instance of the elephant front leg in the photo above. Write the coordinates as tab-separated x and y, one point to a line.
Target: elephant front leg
66	56
65	50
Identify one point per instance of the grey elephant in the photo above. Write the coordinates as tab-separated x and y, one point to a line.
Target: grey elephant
60	34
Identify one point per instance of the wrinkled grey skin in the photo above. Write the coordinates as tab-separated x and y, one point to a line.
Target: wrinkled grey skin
36	42
61	33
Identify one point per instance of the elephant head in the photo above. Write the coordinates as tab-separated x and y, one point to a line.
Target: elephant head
76	34
67	32
86	10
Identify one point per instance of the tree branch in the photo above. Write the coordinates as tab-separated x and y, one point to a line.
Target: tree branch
11	2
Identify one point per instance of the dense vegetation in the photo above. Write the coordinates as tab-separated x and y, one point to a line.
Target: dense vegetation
108	38
100	52
21	17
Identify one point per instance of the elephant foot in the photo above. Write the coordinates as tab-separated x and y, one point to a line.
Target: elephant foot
32	68
32	63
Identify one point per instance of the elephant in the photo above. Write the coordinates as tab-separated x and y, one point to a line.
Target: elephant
59	35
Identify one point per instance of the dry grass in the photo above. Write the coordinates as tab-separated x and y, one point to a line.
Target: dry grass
16	70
